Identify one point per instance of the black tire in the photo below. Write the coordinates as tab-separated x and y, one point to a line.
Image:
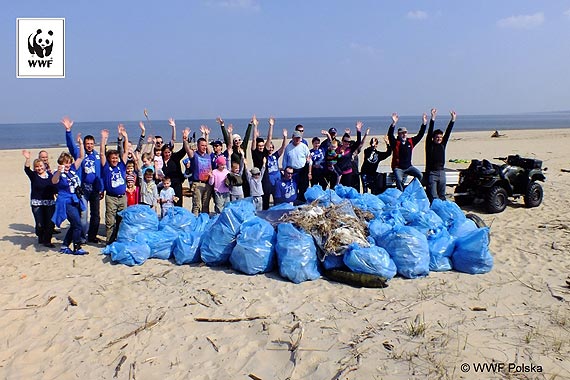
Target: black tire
478	221
533	196
496	199
463	200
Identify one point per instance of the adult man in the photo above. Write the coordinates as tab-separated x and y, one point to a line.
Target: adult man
436	142
43	156
402	151
201	165
286	188
114	176
330	136
92	185
298	156
369	169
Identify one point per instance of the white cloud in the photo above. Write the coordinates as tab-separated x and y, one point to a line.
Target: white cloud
243	4
417	15
522	21
567	13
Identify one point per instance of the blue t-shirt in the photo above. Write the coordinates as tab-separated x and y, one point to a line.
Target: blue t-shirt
114	178
318	158
201	167
285	191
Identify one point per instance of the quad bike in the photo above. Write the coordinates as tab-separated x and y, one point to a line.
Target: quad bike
491	185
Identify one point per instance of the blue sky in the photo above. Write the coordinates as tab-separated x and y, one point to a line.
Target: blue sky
203	58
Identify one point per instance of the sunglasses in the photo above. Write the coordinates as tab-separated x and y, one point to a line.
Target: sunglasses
289	173
345	141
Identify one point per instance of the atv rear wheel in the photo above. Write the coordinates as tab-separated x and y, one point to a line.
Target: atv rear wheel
476	219
533	196
496	199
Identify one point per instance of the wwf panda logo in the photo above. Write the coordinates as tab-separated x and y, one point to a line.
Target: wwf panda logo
40	43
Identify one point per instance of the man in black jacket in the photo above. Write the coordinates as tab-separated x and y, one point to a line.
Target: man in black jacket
436	141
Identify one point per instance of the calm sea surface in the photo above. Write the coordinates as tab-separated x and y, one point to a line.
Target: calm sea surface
47	135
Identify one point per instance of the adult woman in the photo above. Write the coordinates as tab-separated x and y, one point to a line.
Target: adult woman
171	167
346	151
42	199
68	206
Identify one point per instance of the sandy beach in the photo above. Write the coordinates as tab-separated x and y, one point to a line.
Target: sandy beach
70	317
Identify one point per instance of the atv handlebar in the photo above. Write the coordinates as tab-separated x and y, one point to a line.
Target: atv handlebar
500	158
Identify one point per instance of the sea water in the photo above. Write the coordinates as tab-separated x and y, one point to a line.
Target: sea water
52	134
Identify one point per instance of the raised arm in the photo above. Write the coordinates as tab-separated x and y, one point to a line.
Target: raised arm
429	136
104	138
125	153
255	135
206	134
226	135
73	149
141	138
186	144
270	131
449	127
283	143
391	137
79	159
417	138
173	136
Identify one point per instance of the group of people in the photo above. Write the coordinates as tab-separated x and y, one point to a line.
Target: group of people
153	173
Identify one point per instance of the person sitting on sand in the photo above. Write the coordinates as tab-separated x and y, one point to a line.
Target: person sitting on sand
42	199
402	151
436	142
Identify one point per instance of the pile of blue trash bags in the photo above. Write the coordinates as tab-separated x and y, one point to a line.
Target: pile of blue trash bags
407	236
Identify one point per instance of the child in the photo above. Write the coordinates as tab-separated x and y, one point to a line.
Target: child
235	182
217	180
132	192
148	190
254	177
131	172
167	197
333	174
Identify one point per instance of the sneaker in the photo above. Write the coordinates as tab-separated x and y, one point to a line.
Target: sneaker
56	231
65	250
80	251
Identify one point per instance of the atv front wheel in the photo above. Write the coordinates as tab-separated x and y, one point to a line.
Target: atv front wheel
533	196
463	200
496	199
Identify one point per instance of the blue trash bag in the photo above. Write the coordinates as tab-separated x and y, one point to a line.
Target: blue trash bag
128	253
333	197
220	239
333	262
255	247
346	192
449	212
134	219
371	260
369	202
296	254
185	249
416	194
471	254
426	222
202	222
390	196
463	229
441	245
178	218
314	193
160	242
409	249
393	216
378	228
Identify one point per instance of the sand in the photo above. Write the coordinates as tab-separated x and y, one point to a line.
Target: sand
143	322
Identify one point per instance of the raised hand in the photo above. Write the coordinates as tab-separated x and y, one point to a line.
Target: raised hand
67	123
395	118
271	121
433	113
284	133
367	131
141	126
254	121
26	154
324	132
386	140
105	134
453	115
230	129
358	126
424	118
171	122
219	120
185	134
79	139
205	130
121	129
150	140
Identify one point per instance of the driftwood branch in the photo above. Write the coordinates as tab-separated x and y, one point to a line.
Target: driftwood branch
203	319
148	325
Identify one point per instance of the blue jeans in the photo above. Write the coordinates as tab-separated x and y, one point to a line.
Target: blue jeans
436	185
91	201
73	234
399	175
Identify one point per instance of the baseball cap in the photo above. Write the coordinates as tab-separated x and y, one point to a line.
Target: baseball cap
221	160
217	142
297	134
332	130
402	129
255	171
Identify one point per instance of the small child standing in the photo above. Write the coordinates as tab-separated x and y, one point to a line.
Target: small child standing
167	197
132	192
254	177
131	172
218	181
333	173
148	190
235	182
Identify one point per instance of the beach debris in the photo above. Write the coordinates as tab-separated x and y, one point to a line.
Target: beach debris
361	280
333	227
239	319
213	344
132	371
558	297
565	170
387	345
118	367
478	308
254	377
72	302
215	297
528	286
31	306
147	326
497	134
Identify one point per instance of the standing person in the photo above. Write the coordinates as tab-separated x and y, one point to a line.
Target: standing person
254	176
132	192
43	156
301	129
171	167
436	142
345	151
318	160
272	173
218	182
68	206
298	156
91	184
42	199
114	175
201	166
167	197
148	190
331	135
402	151
239	146
369	169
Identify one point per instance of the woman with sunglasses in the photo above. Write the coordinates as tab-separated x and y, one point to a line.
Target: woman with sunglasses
345	151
